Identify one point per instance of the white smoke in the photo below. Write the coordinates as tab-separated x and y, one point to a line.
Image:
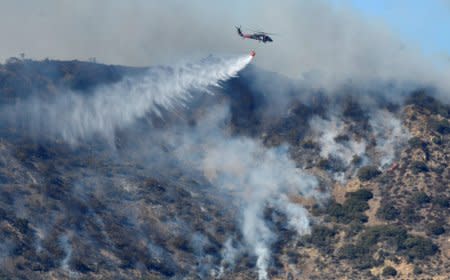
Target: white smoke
253	175
65	243
73	117
326	131
390	135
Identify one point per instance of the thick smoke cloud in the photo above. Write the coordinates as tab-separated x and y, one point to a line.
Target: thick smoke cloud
324	43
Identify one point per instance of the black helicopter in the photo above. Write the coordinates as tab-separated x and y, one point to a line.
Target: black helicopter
258	35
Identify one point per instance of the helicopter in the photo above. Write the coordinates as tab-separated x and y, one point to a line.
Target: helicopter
257	35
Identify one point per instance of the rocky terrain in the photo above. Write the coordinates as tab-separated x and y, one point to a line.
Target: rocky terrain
186	195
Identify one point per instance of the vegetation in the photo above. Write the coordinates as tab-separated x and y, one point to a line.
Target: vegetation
416	142
322	237
418	167
423	99
416	247
436	229
442	126
421	198
352	209
388	212
332	164
361	194
368	172
352	251
389	271
441	201
309	144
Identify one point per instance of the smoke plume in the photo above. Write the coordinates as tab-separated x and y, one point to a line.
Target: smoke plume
255	177
74	117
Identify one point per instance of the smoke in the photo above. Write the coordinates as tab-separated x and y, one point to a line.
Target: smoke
74	117
390	135
328	131
254	176
65	243
322	42
379	144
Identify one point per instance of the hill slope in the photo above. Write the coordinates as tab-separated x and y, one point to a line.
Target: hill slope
332	185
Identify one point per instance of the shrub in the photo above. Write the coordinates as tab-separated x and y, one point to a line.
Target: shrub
22	225
361	194
437	140
353	110
388	212
353	207
417	270
350	211
415	142
436	229
419	248
421	198
183	244
332	164
351	252
357	160
443	202
442	127
418	166
395	235
322	237
341	138
368	172
389	271
309	144
422	99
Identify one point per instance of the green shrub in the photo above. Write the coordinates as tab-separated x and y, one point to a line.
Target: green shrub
442	127
419	166
389	271
388	212
351	210
443	202
332	164
416	142
395	235
361	194
368	172
351	252
436	229
417	270
417	247
322	237
341	138
421	198
437	140
353	207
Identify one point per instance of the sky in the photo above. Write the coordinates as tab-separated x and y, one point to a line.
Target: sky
425	23
329	41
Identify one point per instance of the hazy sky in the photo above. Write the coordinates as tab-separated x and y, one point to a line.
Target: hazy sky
332	39
425	23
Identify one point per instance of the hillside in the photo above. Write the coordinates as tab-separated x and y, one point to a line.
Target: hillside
345	185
